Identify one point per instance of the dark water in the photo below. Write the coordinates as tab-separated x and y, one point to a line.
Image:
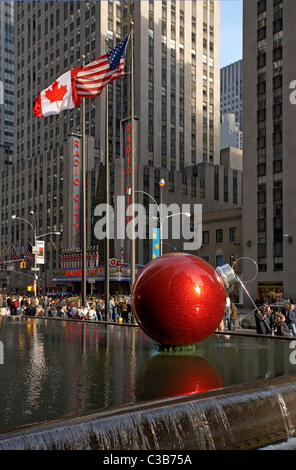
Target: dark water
54	369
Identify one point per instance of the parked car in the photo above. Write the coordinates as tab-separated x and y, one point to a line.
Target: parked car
247	320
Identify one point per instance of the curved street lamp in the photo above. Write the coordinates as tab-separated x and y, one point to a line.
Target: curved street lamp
160	218
14	217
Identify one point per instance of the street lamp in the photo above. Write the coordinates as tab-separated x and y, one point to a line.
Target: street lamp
160	218
14	217
161	185
289	236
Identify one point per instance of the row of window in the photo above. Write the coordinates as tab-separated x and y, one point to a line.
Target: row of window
232	235
219	259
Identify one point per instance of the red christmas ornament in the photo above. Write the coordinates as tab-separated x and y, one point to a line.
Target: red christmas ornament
179	299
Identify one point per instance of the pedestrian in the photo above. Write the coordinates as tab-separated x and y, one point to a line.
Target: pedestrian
282	328
63	311
126	311
112	310
120	308
260	323
99	309
227	313
30	310
48	312
92	314
34	302
233	316
274	315
291	319
39	311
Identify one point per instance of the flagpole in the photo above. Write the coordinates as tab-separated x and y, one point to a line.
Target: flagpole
83	208
107	247
133	241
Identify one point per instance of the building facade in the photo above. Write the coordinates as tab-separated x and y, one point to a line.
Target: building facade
176	75
269	222
177	107
36	185
230	134
231	83
6	82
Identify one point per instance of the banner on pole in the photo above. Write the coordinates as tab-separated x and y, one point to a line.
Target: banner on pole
155	243
40	255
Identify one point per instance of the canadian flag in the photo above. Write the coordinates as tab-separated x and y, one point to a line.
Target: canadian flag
59	96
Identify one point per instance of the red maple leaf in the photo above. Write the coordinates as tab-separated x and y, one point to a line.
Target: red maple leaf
56	93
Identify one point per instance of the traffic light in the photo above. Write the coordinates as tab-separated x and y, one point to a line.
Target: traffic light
23	265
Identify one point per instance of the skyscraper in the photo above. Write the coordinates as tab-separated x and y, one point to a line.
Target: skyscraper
232	91
177	92
7	82
269	222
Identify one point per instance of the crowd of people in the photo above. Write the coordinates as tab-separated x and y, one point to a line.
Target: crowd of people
270	321
278	321
230	316
120	310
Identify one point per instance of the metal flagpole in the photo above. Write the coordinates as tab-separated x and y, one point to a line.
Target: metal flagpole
133	241
83	208
107	255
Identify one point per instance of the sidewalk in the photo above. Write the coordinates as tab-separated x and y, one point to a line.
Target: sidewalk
239	331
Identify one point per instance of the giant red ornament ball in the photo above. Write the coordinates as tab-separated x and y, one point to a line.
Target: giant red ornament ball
178	299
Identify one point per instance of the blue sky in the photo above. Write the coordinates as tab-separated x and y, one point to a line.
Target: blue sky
231	31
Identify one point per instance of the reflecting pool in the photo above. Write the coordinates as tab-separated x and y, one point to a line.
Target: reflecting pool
55	369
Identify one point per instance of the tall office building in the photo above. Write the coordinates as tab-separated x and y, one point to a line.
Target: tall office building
177	75
177	105
6	82
269	221
231	83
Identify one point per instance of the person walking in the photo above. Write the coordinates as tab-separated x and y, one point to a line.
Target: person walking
291	320
233	317
227	314
112	310
126	311
99	309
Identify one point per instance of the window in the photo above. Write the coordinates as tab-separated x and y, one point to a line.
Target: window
219	235
219	260
232	234
205	237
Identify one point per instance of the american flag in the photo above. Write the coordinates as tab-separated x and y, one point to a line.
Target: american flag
15	256
92	78
30	256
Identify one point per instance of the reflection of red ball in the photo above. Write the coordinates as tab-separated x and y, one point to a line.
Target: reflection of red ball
168	376
178	299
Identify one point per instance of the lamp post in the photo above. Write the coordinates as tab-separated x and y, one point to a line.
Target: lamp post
161	185
35	241
159	217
